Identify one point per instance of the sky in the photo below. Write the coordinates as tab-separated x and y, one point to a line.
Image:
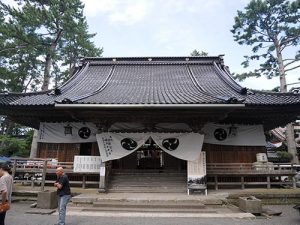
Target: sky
128	28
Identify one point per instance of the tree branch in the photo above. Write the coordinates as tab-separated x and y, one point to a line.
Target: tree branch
12	48
289	39
295	60
292	68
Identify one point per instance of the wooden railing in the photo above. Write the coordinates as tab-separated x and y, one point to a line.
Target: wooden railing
215	171
272	174
35	171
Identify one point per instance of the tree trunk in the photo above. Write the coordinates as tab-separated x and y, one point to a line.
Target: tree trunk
282	79
290	139
34	144
48	61
45	86
46	79
291	143
8	126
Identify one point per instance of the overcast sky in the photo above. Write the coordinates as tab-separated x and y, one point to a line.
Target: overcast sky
172	28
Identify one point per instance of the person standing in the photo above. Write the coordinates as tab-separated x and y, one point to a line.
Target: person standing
6	183
64	194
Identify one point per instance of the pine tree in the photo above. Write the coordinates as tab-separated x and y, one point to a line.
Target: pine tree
271	27
43	36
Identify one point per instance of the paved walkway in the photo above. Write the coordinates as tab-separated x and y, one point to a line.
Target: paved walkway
17	216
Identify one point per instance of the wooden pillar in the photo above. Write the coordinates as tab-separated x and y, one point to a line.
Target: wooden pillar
14	168
243	182
294	181
268	182
83	181
216	182
65	152
44	175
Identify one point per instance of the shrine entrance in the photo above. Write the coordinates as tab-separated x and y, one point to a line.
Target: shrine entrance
150	157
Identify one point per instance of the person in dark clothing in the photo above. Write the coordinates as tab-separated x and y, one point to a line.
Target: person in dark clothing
64	194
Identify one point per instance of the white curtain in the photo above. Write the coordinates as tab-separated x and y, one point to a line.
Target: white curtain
118	145
186	146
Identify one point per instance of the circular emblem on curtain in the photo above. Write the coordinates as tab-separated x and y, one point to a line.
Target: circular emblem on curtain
128	144
84	132
220	134
170	143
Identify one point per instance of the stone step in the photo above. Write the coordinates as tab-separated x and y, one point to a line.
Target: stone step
150	198
146	178
144	190
147	181
156	210
150	173
150	184
157	205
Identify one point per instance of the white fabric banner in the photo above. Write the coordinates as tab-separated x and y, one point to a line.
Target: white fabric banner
67	132
118	145
228	134
186	146
160	127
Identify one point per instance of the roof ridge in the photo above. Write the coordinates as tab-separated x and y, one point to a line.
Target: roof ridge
101	88
75	75
232	84
24	93
153	58
198	86
274	93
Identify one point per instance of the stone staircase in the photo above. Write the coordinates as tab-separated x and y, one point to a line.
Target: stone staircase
147	181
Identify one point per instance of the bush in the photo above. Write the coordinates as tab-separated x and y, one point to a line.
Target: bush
284	155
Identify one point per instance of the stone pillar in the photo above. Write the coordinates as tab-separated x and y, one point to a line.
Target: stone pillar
34	144
291	143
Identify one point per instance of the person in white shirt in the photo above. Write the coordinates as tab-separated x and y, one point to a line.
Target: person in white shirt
6	183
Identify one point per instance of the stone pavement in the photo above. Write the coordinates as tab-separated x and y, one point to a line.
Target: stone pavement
217	204
17	216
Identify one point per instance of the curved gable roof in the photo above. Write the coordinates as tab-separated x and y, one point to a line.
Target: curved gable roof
156	80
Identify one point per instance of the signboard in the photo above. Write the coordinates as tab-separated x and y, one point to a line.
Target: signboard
197	174
87	164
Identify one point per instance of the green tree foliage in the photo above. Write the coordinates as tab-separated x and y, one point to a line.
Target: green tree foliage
39	40
197	53
39	35
272	28
13	146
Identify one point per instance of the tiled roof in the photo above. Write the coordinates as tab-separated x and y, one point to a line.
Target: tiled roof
280	134
156	80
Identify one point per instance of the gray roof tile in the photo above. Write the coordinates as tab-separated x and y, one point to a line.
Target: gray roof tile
156	80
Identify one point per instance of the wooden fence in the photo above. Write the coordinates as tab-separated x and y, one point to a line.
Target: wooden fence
42	171
219	174
249	174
